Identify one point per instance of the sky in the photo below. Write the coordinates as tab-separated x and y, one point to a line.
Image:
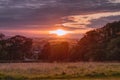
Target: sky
35	18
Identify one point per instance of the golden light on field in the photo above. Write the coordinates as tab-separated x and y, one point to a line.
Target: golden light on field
59	32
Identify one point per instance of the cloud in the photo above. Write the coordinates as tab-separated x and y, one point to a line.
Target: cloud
96	23
82	21
48	11
114	1
32	4
45	14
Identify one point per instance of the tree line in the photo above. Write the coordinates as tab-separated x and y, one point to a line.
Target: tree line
102	44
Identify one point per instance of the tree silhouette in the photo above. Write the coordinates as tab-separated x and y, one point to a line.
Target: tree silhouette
3	51
19	47
46	51
99	44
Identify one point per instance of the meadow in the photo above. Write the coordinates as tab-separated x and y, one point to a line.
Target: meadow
60	71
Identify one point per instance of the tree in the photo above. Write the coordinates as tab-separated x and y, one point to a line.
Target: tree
1	36
3	51
19	47
62	51
99	45
114	49
57	52
46	51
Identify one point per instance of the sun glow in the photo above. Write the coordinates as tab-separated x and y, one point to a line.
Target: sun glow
59	32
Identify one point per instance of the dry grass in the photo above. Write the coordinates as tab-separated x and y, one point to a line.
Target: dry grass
76	71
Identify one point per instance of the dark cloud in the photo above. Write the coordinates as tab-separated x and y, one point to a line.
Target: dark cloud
96	23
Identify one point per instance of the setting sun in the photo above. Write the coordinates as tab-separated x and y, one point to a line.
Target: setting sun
59	32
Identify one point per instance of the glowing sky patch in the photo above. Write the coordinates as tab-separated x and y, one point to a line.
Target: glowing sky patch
59	32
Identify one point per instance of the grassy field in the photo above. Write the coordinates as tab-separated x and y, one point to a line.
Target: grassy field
60	71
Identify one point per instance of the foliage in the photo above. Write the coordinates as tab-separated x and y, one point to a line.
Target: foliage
102	44
15	48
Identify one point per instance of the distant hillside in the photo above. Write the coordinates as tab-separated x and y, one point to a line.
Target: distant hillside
99	45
